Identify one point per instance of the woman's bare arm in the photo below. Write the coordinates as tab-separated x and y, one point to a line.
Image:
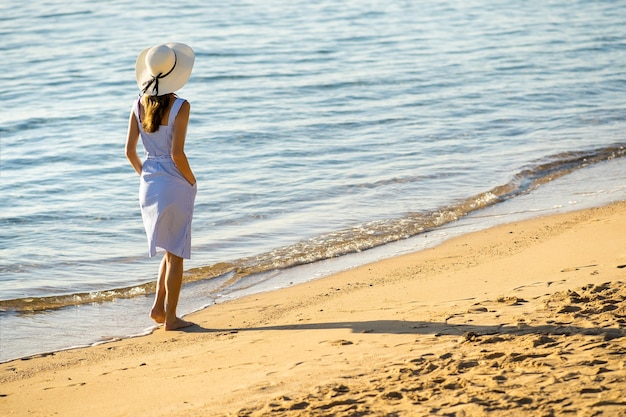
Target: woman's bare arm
178	143
132	137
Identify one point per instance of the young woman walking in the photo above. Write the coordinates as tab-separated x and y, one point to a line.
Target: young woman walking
167	188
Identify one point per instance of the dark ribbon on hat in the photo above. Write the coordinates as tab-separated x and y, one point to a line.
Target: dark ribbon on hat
155	79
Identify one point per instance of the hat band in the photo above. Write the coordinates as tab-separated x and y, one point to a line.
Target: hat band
155	78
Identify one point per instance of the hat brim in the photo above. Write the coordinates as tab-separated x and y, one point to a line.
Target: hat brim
176	79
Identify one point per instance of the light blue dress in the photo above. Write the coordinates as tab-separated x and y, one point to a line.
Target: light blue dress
165	196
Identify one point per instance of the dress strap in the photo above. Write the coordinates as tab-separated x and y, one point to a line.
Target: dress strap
174	110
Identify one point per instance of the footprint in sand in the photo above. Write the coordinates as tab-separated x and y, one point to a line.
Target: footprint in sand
339	342
547	367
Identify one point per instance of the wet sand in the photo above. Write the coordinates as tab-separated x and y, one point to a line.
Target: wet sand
527	318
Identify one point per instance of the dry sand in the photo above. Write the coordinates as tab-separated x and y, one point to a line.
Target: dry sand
526	319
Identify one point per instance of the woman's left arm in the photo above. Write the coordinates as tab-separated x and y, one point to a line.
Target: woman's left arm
178	143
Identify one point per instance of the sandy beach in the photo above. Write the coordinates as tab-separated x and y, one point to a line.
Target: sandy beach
525	319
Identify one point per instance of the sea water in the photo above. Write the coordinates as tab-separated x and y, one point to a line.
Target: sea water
323	135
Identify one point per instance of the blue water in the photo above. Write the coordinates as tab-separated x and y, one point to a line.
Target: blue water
317	129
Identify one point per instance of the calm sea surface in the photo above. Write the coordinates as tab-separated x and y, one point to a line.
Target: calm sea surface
318	129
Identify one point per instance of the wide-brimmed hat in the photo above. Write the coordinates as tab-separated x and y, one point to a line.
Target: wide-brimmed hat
164	69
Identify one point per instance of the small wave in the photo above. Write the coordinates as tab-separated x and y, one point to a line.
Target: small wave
65	14
380	232
355	239
34	304
39	304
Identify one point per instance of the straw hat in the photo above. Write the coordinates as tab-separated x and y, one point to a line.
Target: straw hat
164	69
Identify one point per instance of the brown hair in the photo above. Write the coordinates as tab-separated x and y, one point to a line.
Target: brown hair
154	108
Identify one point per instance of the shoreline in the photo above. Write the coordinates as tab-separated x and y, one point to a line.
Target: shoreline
82	325
485	315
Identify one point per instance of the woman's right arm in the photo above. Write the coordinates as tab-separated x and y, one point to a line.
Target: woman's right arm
132	137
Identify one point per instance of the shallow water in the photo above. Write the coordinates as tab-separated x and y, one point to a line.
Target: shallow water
30	333
317	129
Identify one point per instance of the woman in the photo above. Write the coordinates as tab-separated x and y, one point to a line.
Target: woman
167	187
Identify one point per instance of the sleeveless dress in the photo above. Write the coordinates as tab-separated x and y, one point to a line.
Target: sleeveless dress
165	196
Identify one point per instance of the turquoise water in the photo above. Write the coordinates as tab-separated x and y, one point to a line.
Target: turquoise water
317	129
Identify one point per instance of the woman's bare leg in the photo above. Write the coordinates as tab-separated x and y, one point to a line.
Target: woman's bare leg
158	308
173	282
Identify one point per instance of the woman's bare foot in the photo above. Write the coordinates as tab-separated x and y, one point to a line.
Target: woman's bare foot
158	315
177	323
